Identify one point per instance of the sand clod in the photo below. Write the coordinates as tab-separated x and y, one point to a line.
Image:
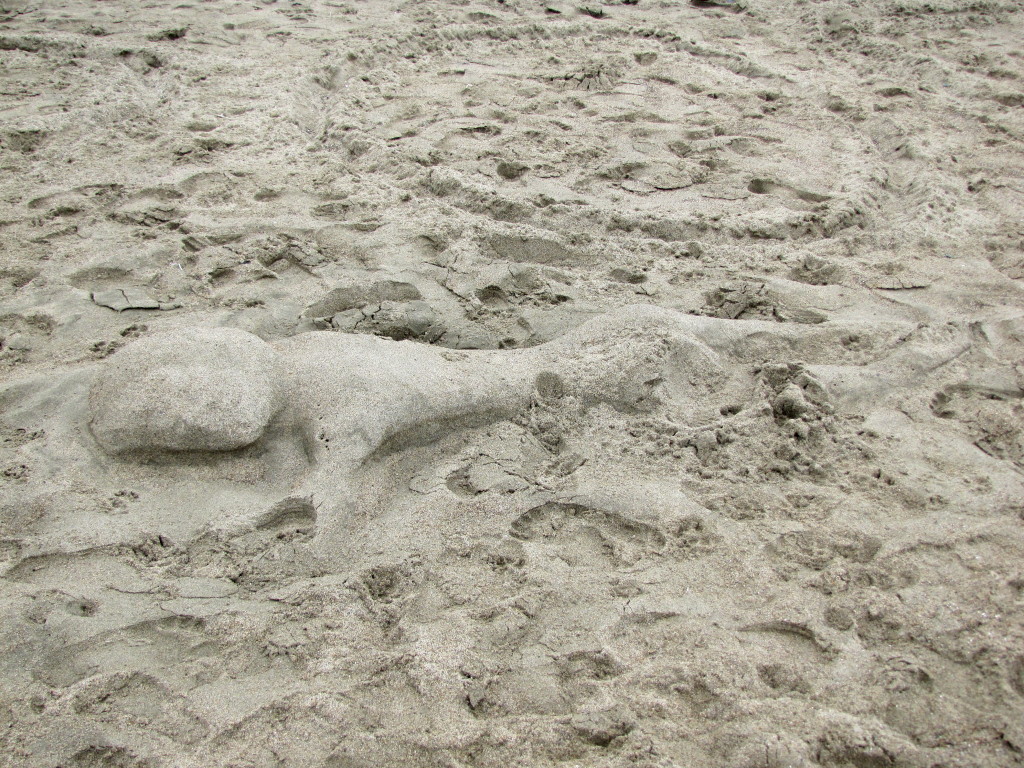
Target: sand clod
192	390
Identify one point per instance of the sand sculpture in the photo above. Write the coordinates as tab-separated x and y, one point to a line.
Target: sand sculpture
346	397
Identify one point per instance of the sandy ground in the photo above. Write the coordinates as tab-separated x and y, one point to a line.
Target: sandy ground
501	383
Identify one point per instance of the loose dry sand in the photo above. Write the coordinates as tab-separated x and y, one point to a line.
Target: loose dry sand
490	383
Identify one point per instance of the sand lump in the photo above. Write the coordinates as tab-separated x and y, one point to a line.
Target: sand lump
193	390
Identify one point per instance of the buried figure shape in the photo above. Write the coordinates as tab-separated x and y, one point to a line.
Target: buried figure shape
348	396
219	389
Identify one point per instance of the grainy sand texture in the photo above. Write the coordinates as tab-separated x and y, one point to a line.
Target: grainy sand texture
499	383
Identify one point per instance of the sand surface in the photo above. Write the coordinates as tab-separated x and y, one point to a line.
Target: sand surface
490	383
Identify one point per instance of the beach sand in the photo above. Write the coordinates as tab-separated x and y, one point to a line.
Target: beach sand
488	383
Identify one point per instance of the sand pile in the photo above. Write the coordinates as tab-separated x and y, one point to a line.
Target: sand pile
442	384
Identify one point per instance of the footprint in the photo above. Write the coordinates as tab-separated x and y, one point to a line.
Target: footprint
258	551
533	248
1015	675
383	583
10	553
92	198
295	515
735	300
760	186
849	740
24	141
591	665
356	295
816	549
58	570
148	645
386	583
137	700
790	656
784	678
108	757
694	536
584	534
487	475
81	607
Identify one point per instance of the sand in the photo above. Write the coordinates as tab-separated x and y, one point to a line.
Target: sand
509	383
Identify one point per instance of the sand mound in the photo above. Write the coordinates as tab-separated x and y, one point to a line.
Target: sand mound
191	390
